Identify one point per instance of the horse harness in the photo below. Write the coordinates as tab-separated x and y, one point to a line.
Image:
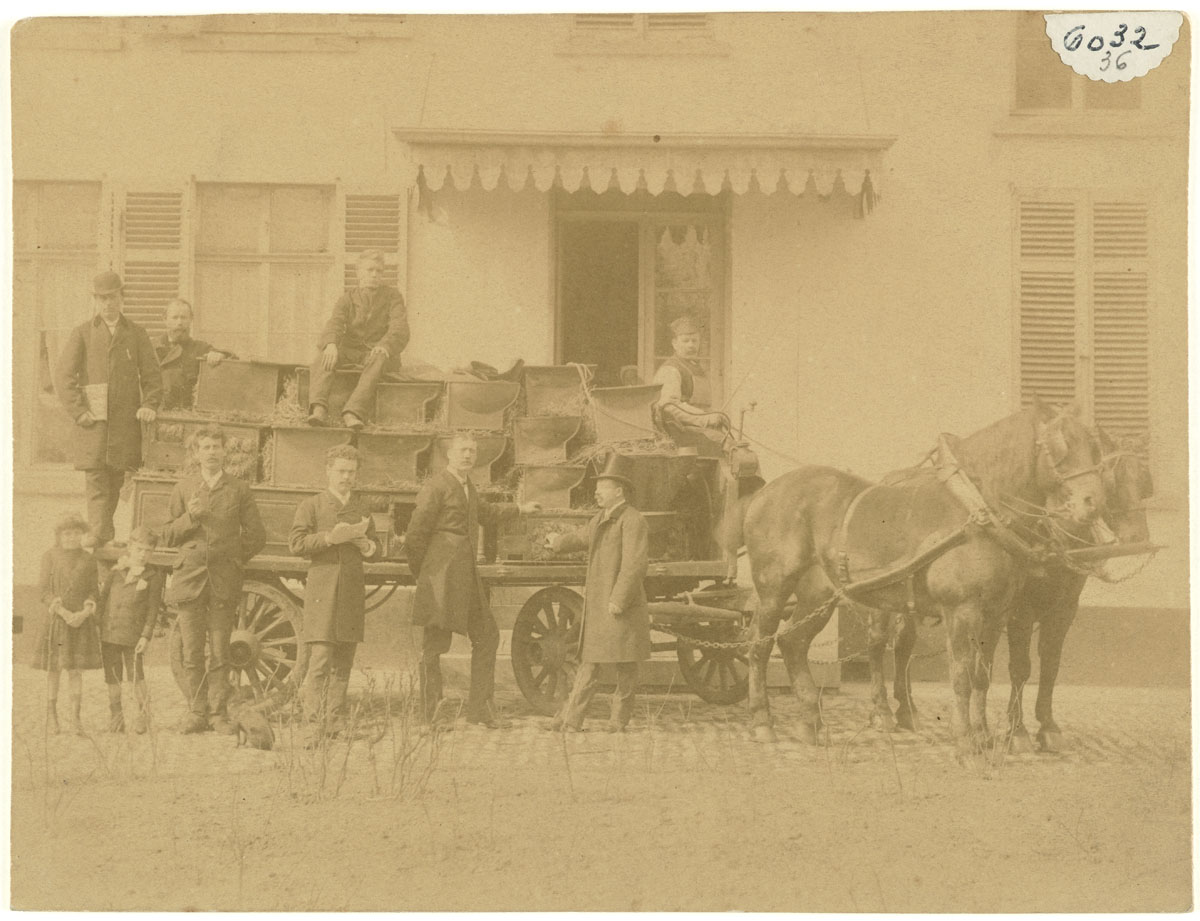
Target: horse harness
981	518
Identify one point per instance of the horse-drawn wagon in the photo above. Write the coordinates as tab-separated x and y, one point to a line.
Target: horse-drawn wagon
541	438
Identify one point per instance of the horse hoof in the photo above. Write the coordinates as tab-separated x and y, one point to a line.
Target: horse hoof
1051	740
1019	742
763	734
908	719
884	720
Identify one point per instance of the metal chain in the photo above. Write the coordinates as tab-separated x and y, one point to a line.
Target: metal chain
1096	573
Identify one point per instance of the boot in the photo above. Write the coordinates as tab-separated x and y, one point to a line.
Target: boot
116	716
317	414
76	720
52	717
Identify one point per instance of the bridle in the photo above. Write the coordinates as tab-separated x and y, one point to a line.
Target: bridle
1109	464
1059	477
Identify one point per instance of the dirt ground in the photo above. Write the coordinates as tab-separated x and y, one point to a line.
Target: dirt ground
682	813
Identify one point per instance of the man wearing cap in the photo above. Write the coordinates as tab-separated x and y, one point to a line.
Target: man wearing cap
616	618
685	403
368	330
109	381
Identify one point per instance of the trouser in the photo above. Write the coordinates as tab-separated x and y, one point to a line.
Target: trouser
327	678
103	494
361	400
212	617
485	640
587	680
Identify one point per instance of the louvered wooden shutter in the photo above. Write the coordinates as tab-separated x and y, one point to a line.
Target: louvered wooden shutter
604	21
152	232
372	222
674	23
1120	315
1047	300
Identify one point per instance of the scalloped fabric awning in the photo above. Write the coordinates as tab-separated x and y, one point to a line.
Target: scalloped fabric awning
687	164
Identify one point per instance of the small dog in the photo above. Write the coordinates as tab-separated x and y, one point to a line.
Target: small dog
252	726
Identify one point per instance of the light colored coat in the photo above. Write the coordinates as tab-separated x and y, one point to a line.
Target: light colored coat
618	557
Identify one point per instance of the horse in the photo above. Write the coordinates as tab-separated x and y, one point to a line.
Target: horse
1052	599
795	529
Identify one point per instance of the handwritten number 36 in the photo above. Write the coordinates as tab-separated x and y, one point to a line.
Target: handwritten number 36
1074	38
1108	59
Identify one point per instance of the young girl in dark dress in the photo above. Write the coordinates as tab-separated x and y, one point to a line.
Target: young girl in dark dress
70	638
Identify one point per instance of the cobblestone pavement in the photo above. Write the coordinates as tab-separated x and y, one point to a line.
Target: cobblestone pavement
671	733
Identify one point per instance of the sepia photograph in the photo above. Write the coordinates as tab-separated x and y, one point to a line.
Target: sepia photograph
601	461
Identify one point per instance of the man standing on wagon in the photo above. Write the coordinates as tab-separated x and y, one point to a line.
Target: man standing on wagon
214	521
616	619
440	546
685	401
109	381
368	330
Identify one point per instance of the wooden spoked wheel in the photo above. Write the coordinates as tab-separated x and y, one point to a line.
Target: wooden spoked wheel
264	649
718	676
545	646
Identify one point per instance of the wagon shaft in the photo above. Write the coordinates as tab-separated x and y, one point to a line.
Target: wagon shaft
675	612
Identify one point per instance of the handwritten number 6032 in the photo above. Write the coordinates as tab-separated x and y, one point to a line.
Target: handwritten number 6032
1074	38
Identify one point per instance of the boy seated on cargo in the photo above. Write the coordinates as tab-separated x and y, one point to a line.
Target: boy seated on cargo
368	330
684	408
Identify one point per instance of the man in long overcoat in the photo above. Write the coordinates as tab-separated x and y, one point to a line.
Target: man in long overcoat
616	618
334	529
215	522
440	545
109	382
179	356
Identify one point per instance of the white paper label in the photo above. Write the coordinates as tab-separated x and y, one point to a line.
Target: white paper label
1113	47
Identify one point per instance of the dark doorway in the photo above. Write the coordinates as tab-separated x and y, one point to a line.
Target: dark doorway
598	295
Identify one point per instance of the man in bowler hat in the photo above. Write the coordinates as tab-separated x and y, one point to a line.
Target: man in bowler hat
616	618
109	381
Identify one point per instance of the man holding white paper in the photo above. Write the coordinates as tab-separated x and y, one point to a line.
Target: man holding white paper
109	381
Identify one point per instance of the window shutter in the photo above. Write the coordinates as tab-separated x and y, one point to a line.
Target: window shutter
372	222
1121	295
676	22
152	235
1047	300
604	21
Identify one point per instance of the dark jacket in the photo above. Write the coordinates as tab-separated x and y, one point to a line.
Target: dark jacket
125	607
363	320
335	590
70	576
440	546
214	547
618	556
126	362
180	364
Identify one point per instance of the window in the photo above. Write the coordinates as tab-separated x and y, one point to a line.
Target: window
264	251
56	251
628	266
642	33
1083	294
1044	84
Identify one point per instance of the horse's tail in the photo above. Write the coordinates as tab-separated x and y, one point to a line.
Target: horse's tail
730	533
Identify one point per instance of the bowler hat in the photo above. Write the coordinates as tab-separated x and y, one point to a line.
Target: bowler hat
106	283
620	468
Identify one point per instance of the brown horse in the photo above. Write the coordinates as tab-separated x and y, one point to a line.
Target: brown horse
1052	599
792	527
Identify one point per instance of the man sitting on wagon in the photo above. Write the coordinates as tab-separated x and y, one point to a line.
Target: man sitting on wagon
684	406
368	330
179	356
